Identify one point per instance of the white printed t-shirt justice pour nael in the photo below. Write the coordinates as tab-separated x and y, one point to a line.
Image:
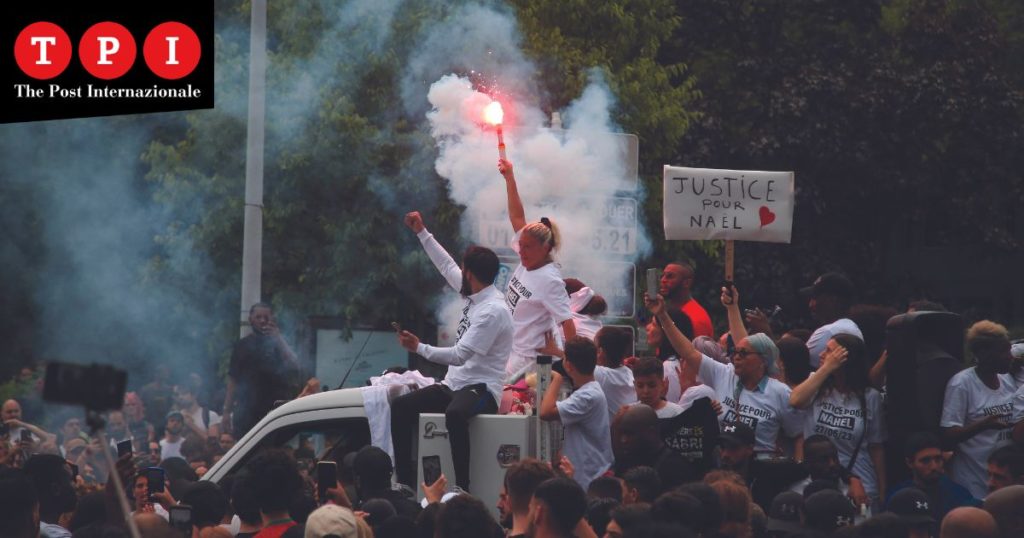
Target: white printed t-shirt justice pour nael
765	409
840	418
539	303
967	401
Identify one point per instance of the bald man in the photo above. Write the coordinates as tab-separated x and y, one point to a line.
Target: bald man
10	411
638	442
675	284
10	414
969	522
1005	506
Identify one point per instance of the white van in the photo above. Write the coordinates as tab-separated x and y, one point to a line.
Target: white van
336	422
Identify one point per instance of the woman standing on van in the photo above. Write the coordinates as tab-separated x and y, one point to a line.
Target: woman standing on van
536	292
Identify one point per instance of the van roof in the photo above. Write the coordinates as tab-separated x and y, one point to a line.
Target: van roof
351	397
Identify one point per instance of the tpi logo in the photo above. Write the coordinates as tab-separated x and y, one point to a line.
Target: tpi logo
107	50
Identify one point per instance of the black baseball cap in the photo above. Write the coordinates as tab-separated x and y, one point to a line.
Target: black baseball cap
830	284
786	506
372	462
736	434
784	515
913	506
828	510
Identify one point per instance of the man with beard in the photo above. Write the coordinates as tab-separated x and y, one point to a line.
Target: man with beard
117	428
135	416
675	284
476	363
201	421
170	445
924	457
258	374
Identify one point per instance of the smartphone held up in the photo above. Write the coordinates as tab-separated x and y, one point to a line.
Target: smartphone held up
653	281
326	478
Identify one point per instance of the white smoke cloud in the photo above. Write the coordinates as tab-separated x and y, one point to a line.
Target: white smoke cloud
566	175
101	228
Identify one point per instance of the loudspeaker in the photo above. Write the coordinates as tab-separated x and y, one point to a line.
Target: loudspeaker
925	350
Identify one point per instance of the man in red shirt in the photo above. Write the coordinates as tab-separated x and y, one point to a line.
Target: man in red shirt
676	280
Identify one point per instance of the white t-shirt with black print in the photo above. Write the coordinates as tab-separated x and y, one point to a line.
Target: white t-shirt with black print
969	400
765	409
538	303
840	417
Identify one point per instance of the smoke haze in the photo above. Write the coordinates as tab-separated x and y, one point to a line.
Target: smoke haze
117	275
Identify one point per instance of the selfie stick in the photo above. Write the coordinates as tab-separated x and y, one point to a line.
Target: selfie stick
95	422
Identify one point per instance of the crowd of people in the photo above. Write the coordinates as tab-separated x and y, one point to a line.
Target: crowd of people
756	432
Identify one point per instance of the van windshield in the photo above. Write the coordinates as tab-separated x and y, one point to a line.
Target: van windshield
310	442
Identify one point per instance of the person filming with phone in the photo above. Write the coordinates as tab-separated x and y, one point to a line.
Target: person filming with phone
476	363
18	432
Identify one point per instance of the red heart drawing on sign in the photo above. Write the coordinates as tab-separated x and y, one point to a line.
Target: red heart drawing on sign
767	217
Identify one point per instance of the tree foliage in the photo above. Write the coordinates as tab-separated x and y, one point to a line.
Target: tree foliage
900	118
338	180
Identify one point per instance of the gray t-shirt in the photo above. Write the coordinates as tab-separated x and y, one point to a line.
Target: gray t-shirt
588	439
840	418
617	385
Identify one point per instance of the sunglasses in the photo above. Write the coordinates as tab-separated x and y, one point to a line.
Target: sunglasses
740	352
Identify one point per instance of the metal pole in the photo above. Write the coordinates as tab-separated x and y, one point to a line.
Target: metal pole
252	241
730	257
544	442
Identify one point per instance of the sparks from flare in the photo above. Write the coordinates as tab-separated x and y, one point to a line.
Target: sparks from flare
494	115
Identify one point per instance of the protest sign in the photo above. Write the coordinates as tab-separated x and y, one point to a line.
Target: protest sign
744	205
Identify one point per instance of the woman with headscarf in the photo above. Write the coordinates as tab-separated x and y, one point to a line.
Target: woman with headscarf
745	388
846	409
